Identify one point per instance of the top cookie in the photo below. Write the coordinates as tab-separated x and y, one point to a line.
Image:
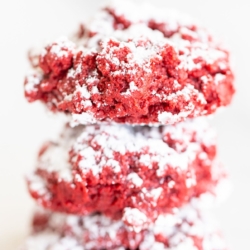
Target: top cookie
133	64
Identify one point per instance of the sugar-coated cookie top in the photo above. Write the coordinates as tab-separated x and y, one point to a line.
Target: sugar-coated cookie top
134	64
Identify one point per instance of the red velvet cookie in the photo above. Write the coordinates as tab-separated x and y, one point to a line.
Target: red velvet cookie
124	170
134	64
187	229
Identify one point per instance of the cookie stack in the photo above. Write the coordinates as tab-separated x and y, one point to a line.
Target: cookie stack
136	163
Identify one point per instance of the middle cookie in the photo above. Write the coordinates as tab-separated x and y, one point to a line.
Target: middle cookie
133	173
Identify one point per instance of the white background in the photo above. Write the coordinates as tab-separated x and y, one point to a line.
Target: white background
27	23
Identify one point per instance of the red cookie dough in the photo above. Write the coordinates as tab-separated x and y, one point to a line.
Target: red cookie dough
187	229
134	64
123	170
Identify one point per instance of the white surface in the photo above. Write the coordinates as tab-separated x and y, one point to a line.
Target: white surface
23	127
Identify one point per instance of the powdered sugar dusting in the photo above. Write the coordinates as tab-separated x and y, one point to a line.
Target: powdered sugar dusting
122	139
32	81
56	159
135	179
37	185
58	49
84	118
135	219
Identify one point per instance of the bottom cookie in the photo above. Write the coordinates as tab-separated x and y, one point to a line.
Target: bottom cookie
187	229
